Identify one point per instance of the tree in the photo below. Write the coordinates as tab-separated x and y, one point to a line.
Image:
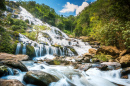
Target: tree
2	5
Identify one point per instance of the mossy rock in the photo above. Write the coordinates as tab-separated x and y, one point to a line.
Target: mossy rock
73	50
3	70
58	46
39	78
30	51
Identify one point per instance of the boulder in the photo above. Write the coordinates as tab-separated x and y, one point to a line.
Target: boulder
15	64
10	83
14	60
39	78
92	51
125	72
84	67
124	52
5	56
109	50
102	67
87	55
125	60
3	70
112	65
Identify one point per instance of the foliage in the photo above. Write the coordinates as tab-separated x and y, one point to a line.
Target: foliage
2	5
117	34
103	57
31	35
6	43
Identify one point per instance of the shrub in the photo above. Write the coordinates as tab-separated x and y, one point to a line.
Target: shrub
103	57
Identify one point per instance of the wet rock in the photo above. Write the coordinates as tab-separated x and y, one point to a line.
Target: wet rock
125	72
3	70
95	60
125	61
102	67
109	50
84	38
10	83
87	55
15	64
112	65
84	67
92	51
39	78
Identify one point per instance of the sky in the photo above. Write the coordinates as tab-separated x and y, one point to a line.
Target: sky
65	7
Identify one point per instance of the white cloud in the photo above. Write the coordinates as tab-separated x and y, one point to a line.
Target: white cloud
69	8
80	8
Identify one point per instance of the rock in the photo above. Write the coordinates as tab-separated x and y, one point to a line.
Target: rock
112	65
124	77
86	60
102	67
15	64
109	50
84	38
92	51
94	46
5	56
94	60
124	52
39	78
84	67
14	60
3	70
125	61
87	55
10	83
125	71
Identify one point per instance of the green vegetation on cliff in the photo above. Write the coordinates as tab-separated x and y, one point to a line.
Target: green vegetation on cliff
106	21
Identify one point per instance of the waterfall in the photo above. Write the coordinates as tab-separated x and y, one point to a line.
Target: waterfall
36	51
18	48
41	50
24	49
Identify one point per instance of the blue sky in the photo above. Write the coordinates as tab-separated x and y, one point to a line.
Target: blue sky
65	7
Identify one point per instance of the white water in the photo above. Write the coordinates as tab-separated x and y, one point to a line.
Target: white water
92	77
67	75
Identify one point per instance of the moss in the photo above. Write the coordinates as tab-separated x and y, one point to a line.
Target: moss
58	46
73	50
30	51
57	62
3	70
47	36
103	57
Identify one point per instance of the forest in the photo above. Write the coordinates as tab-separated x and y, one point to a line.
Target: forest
106	21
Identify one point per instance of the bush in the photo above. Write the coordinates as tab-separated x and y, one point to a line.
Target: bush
116	34
103	57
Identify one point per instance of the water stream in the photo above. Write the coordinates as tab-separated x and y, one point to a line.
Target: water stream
67	74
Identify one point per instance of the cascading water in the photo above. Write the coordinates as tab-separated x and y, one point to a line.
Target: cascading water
18	48
67	74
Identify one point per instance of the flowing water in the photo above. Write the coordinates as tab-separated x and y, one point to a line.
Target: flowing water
67	74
